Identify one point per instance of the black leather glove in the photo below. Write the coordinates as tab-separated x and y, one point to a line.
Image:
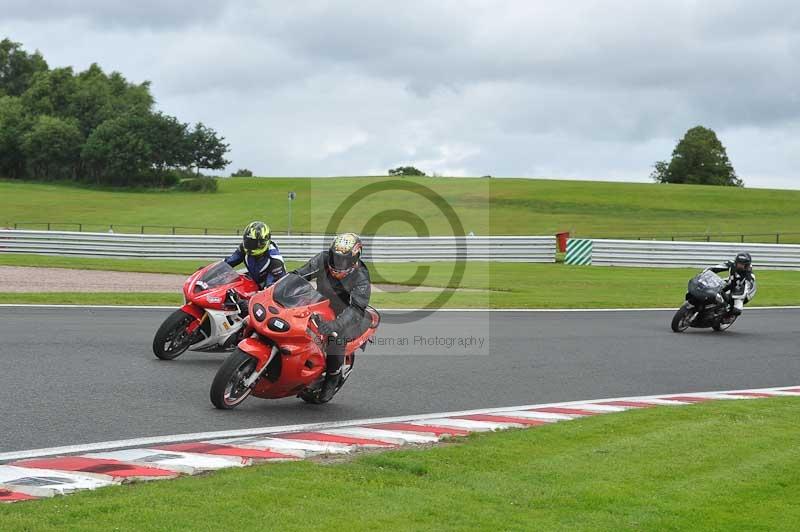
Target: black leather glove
231	298
244	307
326	328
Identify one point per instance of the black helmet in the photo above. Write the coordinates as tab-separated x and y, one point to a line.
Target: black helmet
256	238
743	262
344	254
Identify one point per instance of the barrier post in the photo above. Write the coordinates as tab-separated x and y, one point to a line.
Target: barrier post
561	240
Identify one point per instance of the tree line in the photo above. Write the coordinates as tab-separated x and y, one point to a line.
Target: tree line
93	127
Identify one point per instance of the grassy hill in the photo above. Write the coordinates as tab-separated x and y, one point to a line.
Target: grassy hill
484	206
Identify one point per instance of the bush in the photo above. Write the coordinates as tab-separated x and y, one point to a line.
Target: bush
167	180
198	184
406	170
242	172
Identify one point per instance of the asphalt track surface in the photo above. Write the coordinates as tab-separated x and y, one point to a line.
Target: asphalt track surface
72	376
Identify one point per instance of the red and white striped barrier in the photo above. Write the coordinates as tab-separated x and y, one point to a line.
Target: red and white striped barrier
42	475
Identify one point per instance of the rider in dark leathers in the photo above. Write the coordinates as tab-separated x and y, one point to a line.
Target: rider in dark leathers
344	279
741	281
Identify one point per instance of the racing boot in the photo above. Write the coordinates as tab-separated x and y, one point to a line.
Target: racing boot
329	386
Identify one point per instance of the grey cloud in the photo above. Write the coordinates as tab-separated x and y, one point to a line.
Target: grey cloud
106	14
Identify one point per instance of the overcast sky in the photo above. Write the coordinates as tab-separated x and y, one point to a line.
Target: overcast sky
578	89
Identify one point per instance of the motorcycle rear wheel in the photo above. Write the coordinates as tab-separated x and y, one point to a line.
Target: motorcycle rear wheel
227	391
171	339
680	321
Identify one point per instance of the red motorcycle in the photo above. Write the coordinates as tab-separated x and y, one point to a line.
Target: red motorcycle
210	320
284	356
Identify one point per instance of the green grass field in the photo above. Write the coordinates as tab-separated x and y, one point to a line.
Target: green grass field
484	206
727	465
492	285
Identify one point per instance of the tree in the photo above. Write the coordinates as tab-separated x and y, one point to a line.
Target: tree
138	148
170	142
96	97
659	173
699	158
118	152
52	147
242	172
14	124
207	149
17	68
50	92
406	170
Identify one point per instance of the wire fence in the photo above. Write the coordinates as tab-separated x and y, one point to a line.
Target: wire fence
742	238
142	229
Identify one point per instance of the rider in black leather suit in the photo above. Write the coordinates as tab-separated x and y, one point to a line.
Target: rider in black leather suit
344	279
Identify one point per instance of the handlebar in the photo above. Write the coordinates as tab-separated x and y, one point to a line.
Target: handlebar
315	320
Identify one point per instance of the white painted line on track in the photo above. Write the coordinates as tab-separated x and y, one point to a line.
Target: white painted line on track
267	431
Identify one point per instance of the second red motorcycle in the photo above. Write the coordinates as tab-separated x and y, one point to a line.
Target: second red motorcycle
210	320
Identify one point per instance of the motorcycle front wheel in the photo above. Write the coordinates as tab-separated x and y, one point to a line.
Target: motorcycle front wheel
228	390
172	339
680	321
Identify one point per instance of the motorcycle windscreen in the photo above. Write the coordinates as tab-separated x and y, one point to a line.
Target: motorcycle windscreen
217	275
294	291
706	285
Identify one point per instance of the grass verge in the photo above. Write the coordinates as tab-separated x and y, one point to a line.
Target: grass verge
492	285
727	465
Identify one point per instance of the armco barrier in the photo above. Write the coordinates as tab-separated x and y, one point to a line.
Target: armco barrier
660	254
376	249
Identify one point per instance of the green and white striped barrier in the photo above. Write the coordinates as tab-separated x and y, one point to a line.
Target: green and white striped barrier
579	252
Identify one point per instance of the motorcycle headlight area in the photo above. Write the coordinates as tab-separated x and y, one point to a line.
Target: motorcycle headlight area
259	312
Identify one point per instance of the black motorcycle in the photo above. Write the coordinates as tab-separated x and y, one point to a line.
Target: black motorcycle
706	305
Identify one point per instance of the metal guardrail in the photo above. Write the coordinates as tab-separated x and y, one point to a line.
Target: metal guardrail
376	249
667	254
